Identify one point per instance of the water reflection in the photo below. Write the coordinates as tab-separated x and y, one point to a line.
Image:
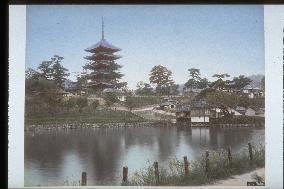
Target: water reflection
51	157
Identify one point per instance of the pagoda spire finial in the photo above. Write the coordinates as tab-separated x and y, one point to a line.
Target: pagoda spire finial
103	33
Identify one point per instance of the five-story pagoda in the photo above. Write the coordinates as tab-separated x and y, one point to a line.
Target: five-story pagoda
103	69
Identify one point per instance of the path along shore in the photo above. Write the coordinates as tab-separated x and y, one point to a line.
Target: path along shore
241	180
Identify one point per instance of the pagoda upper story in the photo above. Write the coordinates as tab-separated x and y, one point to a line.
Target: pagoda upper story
104	72
103	45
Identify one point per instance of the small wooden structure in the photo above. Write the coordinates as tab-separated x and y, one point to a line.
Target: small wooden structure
195	112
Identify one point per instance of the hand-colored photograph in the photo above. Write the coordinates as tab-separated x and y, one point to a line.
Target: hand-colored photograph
144	95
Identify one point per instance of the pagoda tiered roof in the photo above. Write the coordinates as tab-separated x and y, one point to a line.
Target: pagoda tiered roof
103	57
103	44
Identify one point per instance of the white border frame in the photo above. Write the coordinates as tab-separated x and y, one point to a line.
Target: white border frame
273	26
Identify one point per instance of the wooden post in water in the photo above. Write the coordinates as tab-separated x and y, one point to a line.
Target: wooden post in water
250	151
186	171
156	167
230	156
84	179
207	162
125	174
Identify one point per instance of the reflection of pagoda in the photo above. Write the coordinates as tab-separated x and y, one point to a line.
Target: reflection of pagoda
103	69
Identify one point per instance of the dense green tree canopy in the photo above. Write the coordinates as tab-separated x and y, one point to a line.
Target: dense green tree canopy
195	81
144	89
241	81
161	76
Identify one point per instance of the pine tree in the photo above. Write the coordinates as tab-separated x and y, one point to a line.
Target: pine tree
59	73
162	77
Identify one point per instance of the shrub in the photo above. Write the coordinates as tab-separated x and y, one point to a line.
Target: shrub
219	168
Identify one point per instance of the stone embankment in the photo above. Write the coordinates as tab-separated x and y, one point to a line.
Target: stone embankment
96	125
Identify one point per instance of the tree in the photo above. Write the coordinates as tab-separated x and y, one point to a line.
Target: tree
162	78
240	82
143	88
203	83
94	105
32	74
81	103
110	98
262	83
195	81
194	73
220	83
53	70
45	69
40	86
71	103
130	102
174	89
59	73
42	96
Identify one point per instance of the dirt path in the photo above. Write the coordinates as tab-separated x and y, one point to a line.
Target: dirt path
241	180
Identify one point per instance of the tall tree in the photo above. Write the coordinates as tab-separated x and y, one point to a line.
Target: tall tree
59	73
53	70
45	69
162	78
195	81
203	83
220	82
241	81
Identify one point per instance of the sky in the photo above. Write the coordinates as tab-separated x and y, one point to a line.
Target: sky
212	38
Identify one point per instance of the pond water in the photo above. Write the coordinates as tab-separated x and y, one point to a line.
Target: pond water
58	157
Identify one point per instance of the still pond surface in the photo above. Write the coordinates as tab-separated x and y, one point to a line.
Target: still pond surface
58	157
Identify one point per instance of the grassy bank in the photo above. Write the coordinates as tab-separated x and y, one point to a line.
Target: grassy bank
219	168
98	116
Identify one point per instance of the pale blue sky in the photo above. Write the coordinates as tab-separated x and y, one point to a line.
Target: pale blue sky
215	39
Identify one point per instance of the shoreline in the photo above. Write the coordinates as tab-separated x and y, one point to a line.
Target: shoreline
149	123
240	180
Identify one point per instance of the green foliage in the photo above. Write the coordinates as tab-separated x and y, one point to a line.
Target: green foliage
130	102
59	73
53	70
110	98
174	89
39	86
144	89
162	77
195	81
45	69
220	82
219	168
94	105
81	103
97	116
42	96
70	104
230	99
31	74
241	81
